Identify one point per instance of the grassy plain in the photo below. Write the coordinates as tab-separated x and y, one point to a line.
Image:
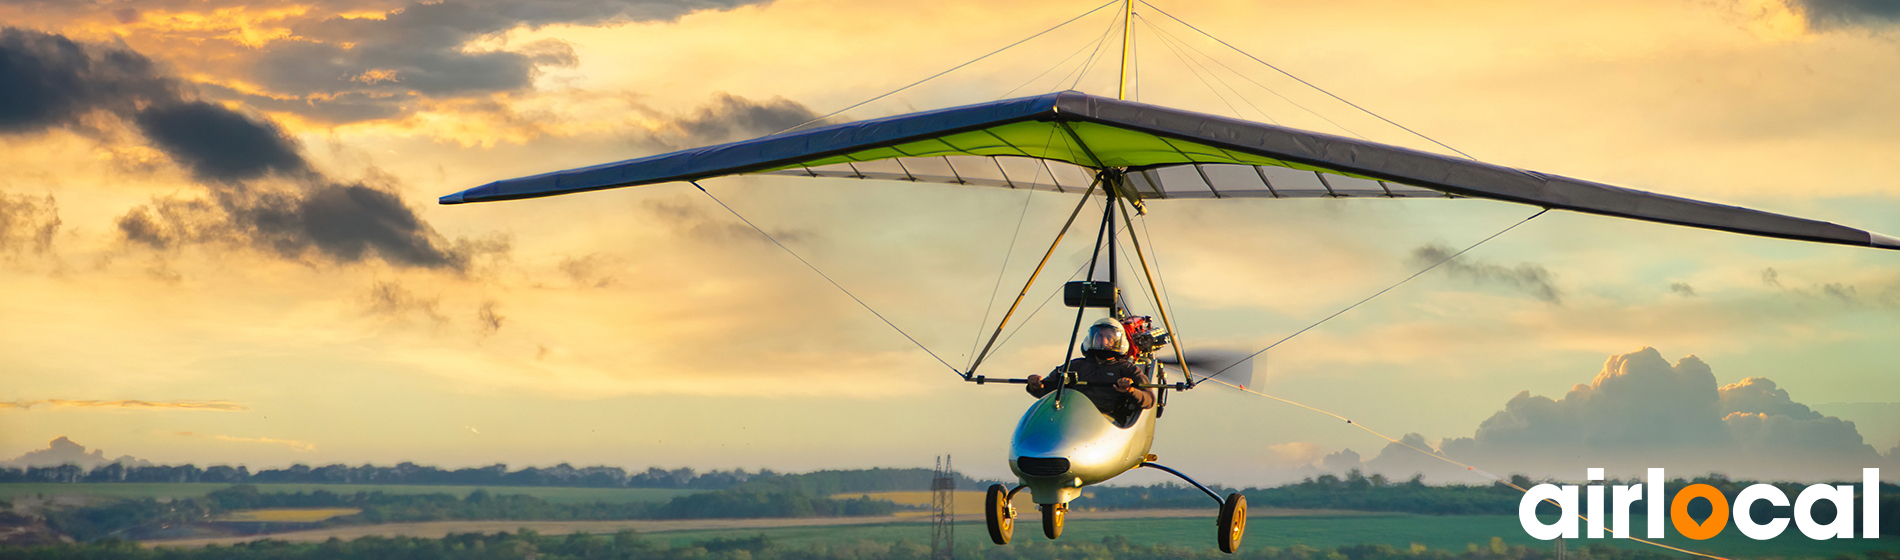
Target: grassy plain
559	495
1454	533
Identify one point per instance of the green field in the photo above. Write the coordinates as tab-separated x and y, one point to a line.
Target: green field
1453	533
559	495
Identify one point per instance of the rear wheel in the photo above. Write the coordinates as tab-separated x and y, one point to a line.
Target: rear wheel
997	514
1233	522
1052	515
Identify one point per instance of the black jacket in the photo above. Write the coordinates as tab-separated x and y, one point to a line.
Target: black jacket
1105	397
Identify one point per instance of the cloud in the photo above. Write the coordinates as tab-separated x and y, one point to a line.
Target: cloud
219	144
1641	411
27	222
348	68
127	404
60	83
730	118
301	446
487	320
1833	14
688	217
49	81
1528	278
1682	288
62	451
391	299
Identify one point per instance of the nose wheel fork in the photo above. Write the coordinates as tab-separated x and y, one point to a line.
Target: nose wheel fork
1052	515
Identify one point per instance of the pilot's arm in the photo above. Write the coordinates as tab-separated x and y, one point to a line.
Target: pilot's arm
1126	384
1039	385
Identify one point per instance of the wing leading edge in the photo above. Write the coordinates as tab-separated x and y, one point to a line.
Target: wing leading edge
1056	141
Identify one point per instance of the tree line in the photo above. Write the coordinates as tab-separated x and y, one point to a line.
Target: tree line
140	518
819	482
404	473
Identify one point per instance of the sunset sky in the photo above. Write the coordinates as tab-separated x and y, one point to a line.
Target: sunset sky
219	242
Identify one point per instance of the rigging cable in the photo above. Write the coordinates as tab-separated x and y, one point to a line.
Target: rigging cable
952	69
1093	56
990	304
1256	83
1379	293
1308	84
827	277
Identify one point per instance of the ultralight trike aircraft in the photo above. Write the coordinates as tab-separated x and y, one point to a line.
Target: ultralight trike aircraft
1131	154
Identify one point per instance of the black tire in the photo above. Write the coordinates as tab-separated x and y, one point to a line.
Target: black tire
1233	522
1052	515
996	514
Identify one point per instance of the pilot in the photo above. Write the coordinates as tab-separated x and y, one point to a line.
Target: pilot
1105	359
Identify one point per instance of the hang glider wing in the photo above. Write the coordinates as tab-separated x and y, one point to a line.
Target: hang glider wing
1056	142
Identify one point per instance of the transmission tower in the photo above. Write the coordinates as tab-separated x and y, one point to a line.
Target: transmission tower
943	525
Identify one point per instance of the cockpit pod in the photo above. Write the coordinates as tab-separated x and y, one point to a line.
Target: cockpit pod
1064	442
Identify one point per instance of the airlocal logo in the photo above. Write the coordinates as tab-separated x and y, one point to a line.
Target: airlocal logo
1651	494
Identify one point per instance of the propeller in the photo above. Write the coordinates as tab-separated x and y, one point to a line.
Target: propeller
1237	363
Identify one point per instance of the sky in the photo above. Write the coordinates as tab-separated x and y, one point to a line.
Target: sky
219	242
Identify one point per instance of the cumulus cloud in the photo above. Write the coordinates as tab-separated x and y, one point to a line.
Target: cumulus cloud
1641	411
1528	278
50	81
63	451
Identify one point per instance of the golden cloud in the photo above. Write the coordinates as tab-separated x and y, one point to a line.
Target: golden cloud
127	404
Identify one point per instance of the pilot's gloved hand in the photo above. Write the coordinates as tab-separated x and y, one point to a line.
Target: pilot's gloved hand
1124	385
1035	382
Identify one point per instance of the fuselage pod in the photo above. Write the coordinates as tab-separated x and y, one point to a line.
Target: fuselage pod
1058	449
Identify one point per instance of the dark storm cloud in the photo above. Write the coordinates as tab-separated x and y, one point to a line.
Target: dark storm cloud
49	81
729	117
28	223
1528	278
217	143
420	49
1832	14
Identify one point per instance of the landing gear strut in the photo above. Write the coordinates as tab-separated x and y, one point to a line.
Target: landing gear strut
999	514
1233	512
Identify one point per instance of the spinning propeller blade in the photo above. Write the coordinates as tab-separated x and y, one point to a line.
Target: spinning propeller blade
1235	366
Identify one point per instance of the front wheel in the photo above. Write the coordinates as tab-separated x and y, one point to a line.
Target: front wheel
997	514
1052	515
1233	522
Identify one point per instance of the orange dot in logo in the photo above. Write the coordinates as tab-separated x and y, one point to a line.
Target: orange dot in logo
1708	528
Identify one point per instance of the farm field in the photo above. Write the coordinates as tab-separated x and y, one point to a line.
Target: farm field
287	515
559	495
1453	533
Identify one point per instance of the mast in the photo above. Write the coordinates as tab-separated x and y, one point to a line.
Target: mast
1128	17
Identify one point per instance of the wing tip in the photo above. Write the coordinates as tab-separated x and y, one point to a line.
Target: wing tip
457	198
1882	241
